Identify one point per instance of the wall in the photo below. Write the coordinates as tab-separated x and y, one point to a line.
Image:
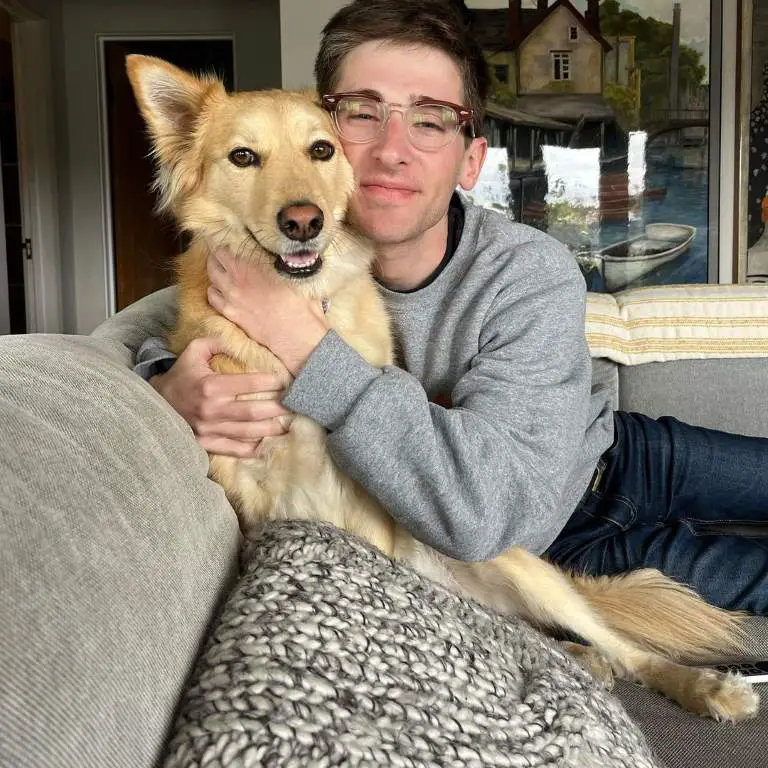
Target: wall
301	23
536	57
5	315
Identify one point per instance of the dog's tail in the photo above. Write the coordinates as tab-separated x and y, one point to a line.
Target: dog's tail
664	616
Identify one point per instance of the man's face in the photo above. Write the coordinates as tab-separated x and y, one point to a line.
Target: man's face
404	191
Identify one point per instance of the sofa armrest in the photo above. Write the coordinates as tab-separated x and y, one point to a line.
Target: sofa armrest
116	550
154	315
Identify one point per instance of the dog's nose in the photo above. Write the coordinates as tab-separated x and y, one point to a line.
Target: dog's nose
300	222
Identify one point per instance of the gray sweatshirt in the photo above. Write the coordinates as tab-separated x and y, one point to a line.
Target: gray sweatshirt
500	331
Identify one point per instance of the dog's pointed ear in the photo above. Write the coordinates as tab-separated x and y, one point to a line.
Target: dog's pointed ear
171	101
169	98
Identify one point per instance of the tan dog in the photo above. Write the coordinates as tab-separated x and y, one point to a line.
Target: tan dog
264	174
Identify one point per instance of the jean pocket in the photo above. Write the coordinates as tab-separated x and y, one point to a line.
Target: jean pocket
746	529
613	508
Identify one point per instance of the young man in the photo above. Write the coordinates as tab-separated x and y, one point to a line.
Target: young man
488	434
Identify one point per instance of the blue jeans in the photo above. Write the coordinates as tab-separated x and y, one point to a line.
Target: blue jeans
690	501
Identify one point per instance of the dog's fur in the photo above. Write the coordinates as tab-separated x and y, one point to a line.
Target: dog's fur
639	625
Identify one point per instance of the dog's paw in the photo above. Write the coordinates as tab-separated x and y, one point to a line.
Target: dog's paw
724	696
592	660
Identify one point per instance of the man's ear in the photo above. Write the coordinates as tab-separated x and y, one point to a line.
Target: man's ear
170	100
472	163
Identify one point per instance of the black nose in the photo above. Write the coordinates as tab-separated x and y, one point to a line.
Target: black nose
301	222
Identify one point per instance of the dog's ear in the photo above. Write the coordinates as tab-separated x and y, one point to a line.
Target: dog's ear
169	98
171	101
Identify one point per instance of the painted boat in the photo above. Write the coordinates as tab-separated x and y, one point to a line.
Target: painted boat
629	260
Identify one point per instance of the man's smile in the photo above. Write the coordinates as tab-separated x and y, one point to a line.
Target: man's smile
388	191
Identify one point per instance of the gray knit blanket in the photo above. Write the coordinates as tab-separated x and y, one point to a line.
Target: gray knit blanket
329	654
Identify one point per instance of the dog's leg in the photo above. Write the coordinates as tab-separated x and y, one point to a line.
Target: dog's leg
519	582
592	660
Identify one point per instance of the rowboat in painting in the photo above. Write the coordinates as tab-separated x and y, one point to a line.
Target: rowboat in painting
629	260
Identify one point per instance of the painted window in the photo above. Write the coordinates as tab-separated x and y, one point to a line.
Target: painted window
561	66
573	32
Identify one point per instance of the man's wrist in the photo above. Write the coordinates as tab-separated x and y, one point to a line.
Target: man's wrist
295	353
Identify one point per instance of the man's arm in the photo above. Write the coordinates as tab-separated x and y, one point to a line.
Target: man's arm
490	472
153	358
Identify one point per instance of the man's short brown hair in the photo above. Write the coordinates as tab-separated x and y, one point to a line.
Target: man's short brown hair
439	24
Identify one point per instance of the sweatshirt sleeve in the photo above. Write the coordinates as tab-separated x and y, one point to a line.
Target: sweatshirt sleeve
489	472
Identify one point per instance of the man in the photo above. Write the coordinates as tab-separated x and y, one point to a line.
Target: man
488	434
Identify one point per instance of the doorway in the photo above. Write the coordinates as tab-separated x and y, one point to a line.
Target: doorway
12	299
144	244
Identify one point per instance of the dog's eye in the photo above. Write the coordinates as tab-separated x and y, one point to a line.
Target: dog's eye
322	150
242	157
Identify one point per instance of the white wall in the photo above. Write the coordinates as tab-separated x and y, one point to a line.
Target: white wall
301	23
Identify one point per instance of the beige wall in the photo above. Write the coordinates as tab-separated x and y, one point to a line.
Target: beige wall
301	22
552	35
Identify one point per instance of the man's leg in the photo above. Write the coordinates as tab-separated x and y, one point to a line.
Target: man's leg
689	501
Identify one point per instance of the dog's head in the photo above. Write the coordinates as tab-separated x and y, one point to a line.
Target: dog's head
261	172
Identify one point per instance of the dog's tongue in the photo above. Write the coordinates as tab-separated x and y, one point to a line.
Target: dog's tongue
302	259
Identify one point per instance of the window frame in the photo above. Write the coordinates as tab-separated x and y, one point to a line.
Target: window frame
563	58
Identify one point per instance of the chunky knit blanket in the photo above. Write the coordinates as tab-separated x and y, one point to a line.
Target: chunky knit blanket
327	654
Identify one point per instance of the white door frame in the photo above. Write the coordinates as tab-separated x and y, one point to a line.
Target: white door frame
5	298
35	126
106	197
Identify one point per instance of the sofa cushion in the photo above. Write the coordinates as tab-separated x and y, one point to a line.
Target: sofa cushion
720	394
674	322
116	550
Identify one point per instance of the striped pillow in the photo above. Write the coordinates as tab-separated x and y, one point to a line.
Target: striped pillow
674	322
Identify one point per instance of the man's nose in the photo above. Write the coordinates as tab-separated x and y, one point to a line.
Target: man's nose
393	145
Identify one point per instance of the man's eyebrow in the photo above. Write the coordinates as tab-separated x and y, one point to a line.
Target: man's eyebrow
368	92
414	98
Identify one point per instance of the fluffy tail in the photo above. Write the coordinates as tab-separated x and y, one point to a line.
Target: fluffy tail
664	616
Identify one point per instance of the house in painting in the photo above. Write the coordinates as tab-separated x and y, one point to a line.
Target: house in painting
553	69
552	63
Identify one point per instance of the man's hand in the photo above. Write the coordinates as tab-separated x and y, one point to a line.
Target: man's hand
211	403
266	308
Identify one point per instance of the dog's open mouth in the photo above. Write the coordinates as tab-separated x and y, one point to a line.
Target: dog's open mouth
299	264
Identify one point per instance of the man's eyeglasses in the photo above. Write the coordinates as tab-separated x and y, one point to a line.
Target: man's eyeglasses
431	124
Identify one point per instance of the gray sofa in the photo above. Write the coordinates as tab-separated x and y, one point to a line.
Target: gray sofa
135	629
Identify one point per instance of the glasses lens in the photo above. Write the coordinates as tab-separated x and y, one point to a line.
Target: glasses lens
358	118
432	125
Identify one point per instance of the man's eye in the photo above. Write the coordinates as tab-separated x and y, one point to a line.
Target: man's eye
243	157
429	125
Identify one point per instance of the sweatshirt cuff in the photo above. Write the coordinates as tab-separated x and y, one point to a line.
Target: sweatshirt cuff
330	383
153	357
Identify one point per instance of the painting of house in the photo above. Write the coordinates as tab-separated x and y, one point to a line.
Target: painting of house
550	49
551	62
